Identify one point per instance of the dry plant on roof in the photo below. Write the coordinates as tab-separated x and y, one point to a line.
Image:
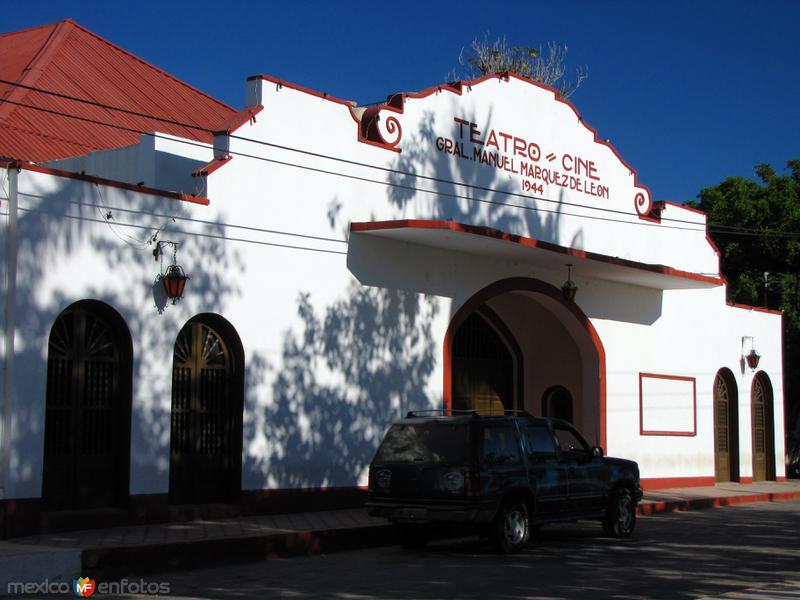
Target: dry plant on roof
496	56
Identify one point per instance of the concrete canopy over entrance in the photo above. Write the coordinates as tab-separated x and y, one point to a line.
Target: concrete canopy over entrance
558	345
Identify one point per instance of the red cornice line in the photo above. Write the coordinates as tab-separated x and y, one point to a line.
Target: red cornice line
239	119
109	182
212	166
679	205
755	308
531	243
349	105
396	102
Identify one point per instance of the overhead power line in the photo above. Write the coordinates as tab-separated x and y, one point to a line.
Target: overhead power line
718	228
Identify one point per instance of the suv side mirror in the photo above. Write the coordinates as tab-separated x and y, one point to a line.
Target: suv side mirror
597	452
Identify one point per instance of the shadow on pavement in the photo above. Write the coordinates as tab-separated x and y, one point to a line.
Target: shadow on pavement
679	555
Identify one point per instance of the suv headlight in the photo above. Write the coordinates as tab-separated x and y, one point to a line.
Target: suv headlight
453	481
383	478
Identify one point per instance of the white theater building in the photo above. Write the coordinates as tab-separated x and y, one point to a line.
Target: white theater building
346	265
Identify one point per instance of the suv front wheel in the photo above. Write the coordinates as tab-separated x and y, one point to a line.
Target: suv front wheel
621	516
511	529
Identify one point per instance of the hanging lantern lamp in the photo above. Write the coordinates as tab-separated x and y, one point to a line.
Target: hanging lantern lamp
569	289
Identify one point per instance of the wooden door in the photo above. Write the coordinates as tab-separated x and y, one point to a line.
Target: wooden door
722	429
761	437
205	447
87	413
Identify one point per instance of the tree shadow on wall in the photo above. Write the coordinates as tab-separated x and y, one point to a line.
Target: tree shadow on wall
65	221
467	191
359	363
343	379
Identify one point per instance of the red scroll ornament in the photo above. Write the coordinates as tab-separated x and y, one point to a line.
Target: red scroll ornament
642	203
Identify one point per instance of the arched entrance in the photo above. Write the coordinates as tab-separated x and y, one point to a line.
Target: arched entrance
486	362
558	346
88	409
726	427
207	405
762	422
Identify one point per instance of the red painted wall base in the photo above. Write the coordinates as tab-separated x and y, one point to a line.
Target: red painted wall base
660	483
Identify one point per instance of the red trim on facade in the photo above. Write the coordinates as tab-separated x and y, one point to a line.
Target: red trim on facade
212	166
111	183
711	243
780	479
649	508
245	115
324	96
397	101
663	203
642	430
530	285
651	218
529	242
300	88
662	483
755	308
745	480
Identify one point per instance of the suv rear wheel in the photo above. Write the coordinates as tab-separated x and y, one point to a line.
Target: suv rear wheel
511	529
620	519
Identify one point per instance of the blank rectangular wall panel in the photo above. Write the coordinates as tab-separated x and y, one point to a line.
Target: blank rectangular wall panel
667	405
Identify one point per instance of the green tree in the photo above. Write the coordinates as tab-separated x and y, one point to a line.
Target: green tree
755	225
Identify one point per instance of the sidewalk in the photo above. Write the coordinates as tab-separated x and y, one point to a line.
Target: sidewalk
150	548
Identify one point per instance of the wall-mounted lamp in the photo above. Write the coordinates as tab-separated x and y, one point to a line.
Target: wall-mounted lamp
174	280
569	289
752	357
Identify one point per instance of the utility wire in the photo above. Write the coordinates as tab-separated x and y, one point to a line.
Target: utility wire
711	227
286	148
318	155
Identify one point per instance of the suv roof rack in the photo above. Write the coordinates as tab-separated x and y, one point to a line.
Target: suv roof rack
436	412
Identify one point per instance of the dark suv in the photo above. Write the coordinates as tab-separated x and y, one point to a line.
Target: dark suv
503	474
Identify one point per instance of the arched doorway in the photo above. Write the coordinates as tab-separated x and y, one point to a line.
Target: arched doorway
207	405
726	427
88	409
485	365
557	345
557	402
762	423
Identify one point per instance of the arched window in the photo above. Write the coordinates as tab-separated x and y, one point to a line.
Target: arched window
557	402
88	408
762	423
726	427
207	405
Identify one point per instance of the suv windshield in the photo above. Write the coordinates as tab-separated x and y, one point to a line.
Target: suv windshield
425	442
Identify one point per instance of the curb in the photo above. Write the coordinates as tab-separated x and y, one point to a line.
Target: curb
652	508
123	560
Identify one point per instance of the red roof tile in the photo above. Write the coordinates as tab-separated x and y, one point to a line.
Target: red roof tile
71	60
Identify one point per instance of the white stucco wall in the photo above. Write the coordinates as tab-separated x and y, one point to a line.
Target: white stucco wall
344	333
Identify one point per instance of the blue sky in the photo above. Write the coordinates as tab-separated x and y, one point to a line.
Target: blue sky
688	92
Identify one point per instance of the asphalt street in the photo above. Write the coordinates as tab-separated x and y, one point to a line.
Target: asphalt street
750	551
